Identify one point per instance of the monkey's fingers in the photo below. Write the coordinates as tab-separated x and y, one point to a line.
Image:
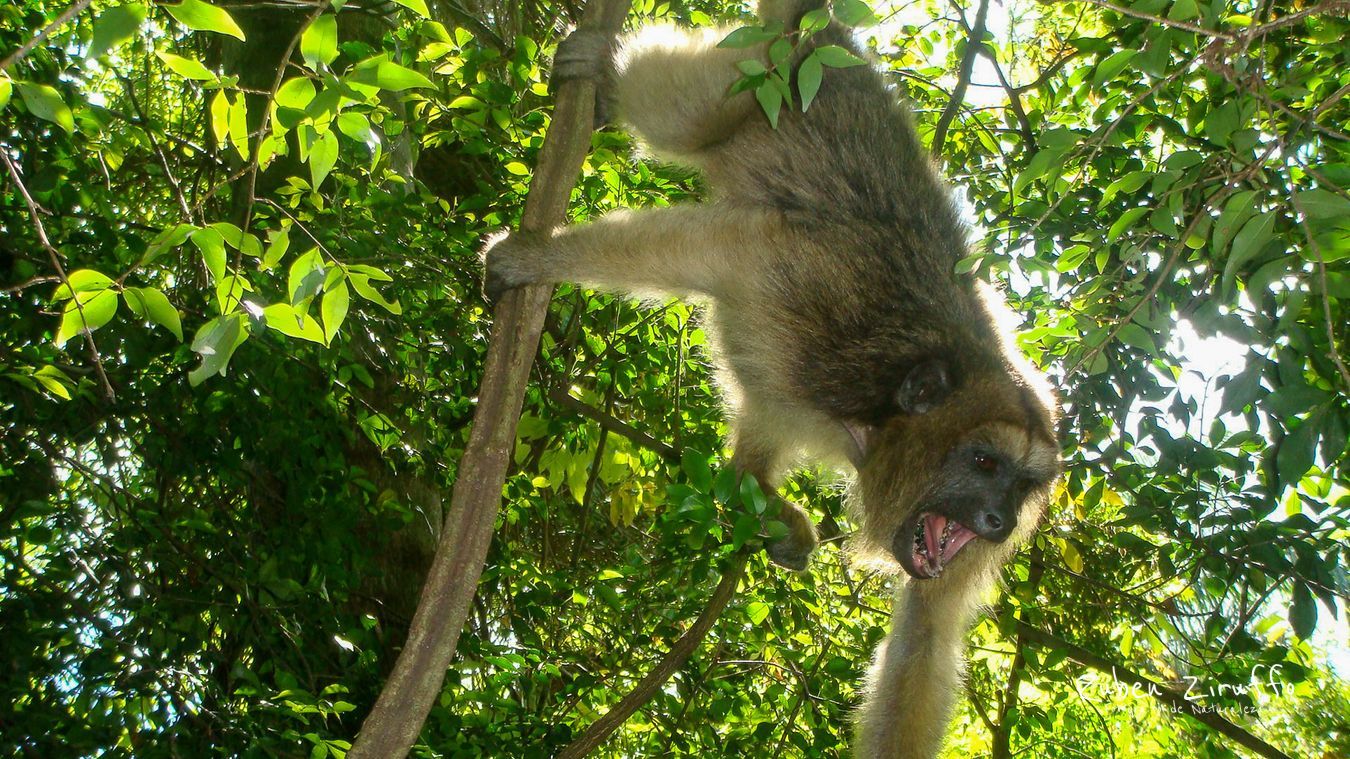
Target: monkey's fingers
793	551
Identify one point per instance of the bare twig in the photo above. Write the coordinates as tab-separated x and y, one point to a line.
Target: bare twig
55	257
27	47
593	736
393	724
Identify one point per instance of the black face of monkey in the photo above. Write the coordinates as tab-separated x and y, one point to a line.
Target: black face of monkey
978	494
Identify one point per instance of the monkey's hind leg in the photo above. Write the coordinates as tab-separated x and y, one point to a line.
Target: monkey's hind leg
671	85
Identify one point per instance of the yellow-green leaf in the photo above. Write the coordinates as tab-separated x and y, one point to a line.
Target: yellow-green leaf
187	67
319	43
333	308
86	311
149	303
204	17
283	318
46	103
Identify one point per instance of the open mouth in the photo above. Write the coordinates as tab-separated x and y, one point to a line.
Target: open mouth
935	541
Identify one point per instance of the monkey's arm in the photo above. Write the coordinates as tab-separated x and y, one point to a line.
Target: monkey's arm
694	248
917	669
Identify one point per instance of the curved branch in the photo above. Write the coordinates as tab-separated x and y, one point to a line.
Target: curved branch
599	730
394	723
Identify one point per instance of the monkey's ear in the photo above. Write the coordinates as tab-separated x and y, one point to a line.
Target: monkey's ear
925	387
861	433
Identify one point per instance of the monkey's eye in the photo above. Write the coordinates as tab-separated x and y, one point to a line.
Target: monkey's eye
986	463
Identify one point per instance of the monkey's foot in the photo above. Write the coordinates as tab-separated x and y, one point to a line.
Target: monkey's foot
793	551
587	55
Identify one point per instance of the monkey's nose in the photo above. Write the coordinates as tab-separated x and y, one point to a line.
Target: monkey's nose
994	523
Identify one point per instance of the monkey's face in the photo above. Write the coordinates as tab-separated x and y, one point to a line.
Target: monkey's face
931	499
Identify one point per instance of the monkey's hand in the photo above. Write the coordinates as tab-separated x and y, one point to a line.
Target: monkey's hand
506	258
587	55
793	551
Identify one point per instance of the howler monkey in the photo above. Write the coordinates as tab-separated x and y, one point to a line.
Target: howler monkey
826	255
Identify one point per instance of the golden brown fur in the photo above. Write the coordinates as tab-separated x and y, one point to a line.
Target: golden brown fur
826	257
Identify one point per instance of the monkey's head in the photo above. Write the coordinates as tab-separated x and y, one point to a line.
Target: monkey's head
961	475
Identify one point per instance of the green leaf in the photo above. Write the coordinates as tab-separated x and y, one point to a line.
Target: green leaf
814	21
853	13
357	127
79	281
380	72
114	26
212	245
239	126
1303	611
86	311
204	17
752	496
186	67
283	318
55	380
323	156
757	611
319	44
360	276
1123	223
216	342
696	467
1137	336
837	57
1112	65
45	103
230	293
305	276
747	36
808	79
417	6
1235	212
295	93
220	117
277	244
150	303
333	308
6	90
1322	204
771	101
1295	456
1247	245
747	526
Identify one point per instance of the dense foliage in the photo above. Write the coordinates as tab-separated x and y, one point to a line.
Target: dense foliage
241	338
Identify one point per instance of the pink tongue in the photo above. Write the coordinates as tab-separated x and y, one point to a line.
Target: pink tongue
959	537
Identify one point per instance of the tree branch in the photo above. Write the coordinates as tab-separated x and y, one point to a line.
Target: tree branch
394	723
614	424
593	736
1174	701
973	44
27	47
